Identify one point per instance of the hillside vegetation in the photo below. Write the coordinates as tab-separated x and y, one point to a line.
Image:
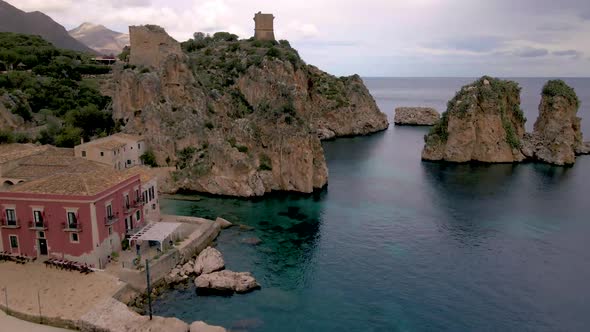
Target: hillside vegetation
45	87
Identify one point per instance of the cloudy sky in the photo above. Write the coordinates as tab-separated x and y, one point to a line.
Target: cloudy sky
376	37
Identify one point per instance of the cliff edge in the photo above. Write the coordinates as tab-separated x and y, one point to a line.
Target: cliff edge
238	117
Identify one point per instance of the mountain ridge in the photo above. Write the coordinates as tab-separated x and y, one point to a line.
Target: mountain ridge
100	38
38	23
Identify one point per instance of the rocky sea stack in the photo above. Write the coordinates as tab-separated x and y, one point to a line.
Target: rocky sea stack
557	136
237	117
416	116
483	123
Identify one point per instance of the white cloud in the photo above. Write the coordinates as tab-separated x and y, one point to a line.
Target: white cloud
42	5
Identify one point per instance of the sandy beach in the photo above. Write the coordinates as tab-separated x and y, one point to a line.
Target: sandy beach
63	294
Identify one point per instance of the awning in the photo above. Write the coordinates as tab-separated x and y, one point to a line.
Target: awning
158	232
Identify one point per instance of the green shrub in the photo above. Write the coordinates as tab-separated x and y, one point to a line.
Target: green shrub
242	148
6	137
558	88
265	162
273	52
149	158
144	70
209	125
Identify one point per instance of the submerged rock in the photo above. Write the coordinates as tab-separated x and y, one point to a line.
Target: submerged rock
416	116
557	136
226	282
252	240
209	260
483	122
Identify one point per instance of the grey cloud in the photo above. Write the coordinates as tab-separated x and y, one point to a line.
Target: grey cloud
477	44
572	53
131	3
531	52
585	15
328	43
556	26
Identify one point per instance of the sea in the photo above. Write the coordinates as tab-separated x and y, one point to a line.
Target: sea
397	244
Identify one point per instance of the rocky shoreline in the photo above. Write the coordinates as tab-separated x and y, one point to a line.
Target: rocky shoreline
416	116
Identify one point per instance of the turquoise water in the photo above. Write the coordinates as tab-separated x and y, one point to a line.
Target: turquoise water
396	244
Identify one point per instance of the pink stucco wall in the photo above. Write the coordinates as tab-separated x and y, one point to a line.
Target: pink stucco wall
55	208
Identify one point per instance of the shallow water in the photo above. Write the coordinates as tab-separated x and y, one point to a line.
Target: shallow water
396	244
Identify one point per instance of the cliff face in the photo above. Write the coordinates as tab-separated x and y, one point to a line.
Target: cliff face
151	45
557	136
483	122
240	119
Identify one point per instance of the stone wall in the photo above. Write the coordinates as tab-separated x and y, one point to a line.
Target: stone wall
151	45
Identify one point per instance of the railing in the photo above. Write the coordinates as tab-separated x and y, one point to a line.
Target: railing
71	227
138	203
109	220
38	225
8	223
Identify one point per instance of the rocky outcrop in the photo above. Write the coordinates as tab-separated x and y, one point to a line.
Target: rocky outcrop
209	260
151	45
203	327
416	116
241	119
226	281
223	224
483	123
557	136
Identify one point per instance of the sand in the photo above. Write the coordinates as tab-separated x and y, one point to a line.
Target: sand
9	323
63	294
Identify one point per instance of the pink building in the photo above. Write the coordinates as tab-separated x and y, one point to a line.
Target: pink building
81	215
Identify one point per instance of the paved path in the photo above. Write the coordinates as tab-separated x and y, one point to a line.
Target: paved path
9	323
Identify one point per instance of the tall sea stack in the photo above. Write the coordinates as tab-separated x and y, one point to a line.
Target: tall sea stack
483	123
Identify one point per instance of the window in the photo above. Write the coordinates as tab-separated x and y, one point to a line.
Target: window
109	210
137	194
153	206
127	205
83	153
13	241
72	220
101	154
74	238
41	235
110	230
11	217
138	145
115	153
137	215
38	216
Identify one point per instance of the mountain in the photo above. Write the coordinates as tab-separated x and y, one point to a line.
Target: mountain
100	39
13	19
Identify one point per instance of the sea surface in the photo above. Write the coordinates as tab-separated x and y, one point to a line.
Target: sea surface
397	244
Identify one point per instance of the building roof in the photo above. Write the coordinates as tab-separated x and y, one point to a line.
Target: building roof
81	178
10	152
110	145
45	163
146	174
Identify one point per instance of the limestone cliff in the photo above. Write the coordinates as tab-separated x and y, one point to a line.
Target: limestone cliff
151	45
240	118
483	123
557	136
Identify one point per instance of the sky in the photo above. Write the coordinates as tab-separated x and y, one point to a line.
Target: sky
399	38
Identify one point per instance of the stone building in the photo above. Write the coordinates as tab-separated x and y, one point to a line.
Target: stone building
264	26
120	150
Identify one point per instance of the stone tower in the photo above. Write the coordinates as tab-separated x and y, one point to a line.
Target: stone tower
264	29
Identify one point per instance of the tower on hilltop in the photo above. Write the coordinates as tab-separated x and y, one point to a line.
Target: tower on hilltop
264	26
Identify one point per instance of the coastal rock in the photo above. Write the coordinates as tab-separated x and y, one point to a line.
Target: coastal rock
239	121
151	45
203	327
227	281
416	116
557	136
483	122
188	268
162	324
173	278
223	223
209	260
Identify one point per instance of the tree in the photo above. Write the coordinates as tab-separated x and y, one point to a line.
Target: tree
149	158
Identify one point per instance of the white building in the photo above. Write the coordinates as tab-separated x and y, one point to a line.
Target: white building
119	150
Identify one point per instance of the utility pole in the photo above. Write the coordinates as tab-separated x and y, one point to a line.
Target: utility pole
149	288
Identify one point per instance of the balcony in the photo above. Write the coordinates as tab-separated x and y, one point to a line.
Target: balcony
109	220
71	227
38	226
138	203
10	223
